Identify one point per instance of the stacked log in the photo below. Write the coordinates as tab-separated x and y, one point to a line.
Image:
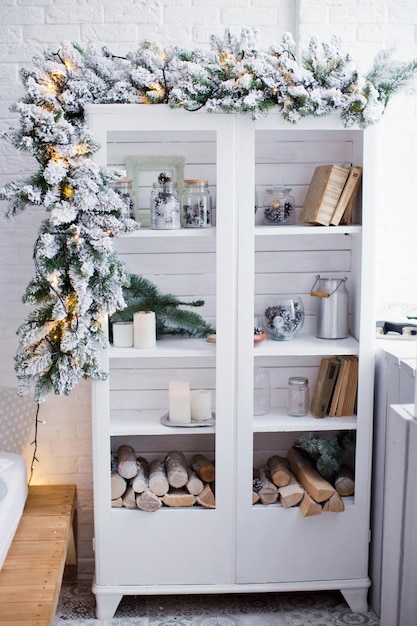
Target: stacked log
174	481
170	481
295	481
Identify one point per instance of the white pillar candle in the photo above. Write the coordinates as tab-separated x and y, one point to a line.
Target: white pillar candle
179	402
200	405
144	330
104	323
122	334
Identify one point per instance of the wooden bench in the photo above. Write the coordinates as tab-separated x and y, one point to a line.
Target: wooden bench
43	547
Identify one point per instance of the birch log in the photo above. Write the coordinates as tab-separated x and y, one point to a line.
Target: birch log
148	501
140	482
315	485
291	494
203	468
118	485
158	480
176	467
129	498
345	482
126	462
178	497
194	484
206	498
308	506
334	504
268	493
279	470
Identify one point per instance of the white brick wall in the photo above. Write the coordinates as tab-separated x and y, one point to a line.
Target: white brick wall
29	26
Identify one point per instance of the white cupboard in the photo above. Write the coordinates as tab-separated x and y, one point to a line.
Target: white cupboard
233	267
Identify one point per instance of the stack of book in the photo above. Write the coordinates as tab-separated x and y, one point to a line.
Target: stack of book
331	195
336	387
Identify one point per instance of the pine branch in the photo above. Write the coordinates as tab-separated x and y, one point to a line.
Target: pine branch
142	295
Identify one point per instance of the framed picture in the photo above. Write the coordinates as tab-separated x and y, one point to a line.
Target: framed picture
144	171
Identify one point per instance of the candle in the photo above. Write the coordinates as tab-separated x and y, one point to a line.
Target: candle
144	330
179	402
200	405
122	334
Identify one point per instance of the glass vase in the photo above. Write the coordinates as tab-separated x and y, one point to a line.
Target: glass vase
283	317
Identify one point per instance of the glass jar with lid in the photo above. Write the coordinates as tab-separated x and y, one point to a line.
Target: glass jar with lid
124	188
196	204
165	205
298	396
278	206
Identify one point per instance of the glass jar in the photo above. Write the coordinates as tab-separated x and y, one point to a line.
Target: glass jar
298	396
124	188
283	317
196	204
261	391
165	205
278	206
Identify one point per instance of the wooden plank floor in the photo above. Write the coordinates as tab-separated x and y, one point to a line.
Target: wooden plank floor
32	574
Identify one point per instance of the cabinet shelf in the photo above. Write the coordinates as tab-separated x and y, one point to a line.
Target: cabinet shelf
179	347
306	229
167	347
147	422
277	420
306	345
260	231
201	233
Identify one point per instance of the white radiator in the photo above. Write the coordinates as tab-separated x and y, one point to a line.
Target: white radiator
399	553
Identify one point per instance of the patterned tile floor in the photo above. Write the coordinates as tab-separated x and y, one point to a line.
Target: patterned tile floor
77	608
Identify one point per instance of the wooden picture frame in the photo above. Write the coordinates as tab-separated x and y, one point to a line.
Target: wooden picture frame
135	165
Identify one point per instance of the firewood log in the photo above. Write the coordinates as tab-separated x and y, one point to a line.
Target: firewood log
176	467
158	481
268	493
129	498
203	468
140	482
126	461
148	501
315	485
118	485
178	497
117	503
291	494
308	506
345	481
279	470
334	504
194	484
255	497
206	498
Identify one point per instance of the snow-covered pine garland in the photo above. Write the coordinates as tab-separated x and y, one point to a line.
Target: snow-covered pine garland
78	277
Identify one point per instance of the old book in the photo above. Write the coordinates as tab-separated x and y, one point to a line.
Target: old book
323	390
340	385
323	194
348	407
344	207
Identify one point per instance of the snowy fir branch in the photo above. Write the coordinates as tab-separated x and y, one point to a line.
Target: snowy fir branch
78	277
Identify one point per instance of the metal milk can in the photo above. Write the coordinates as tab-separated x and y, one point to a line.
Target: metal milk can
333	307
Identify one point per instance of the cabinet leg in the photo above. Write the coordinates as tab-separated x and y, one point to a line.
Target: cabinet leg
106	604
357	599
